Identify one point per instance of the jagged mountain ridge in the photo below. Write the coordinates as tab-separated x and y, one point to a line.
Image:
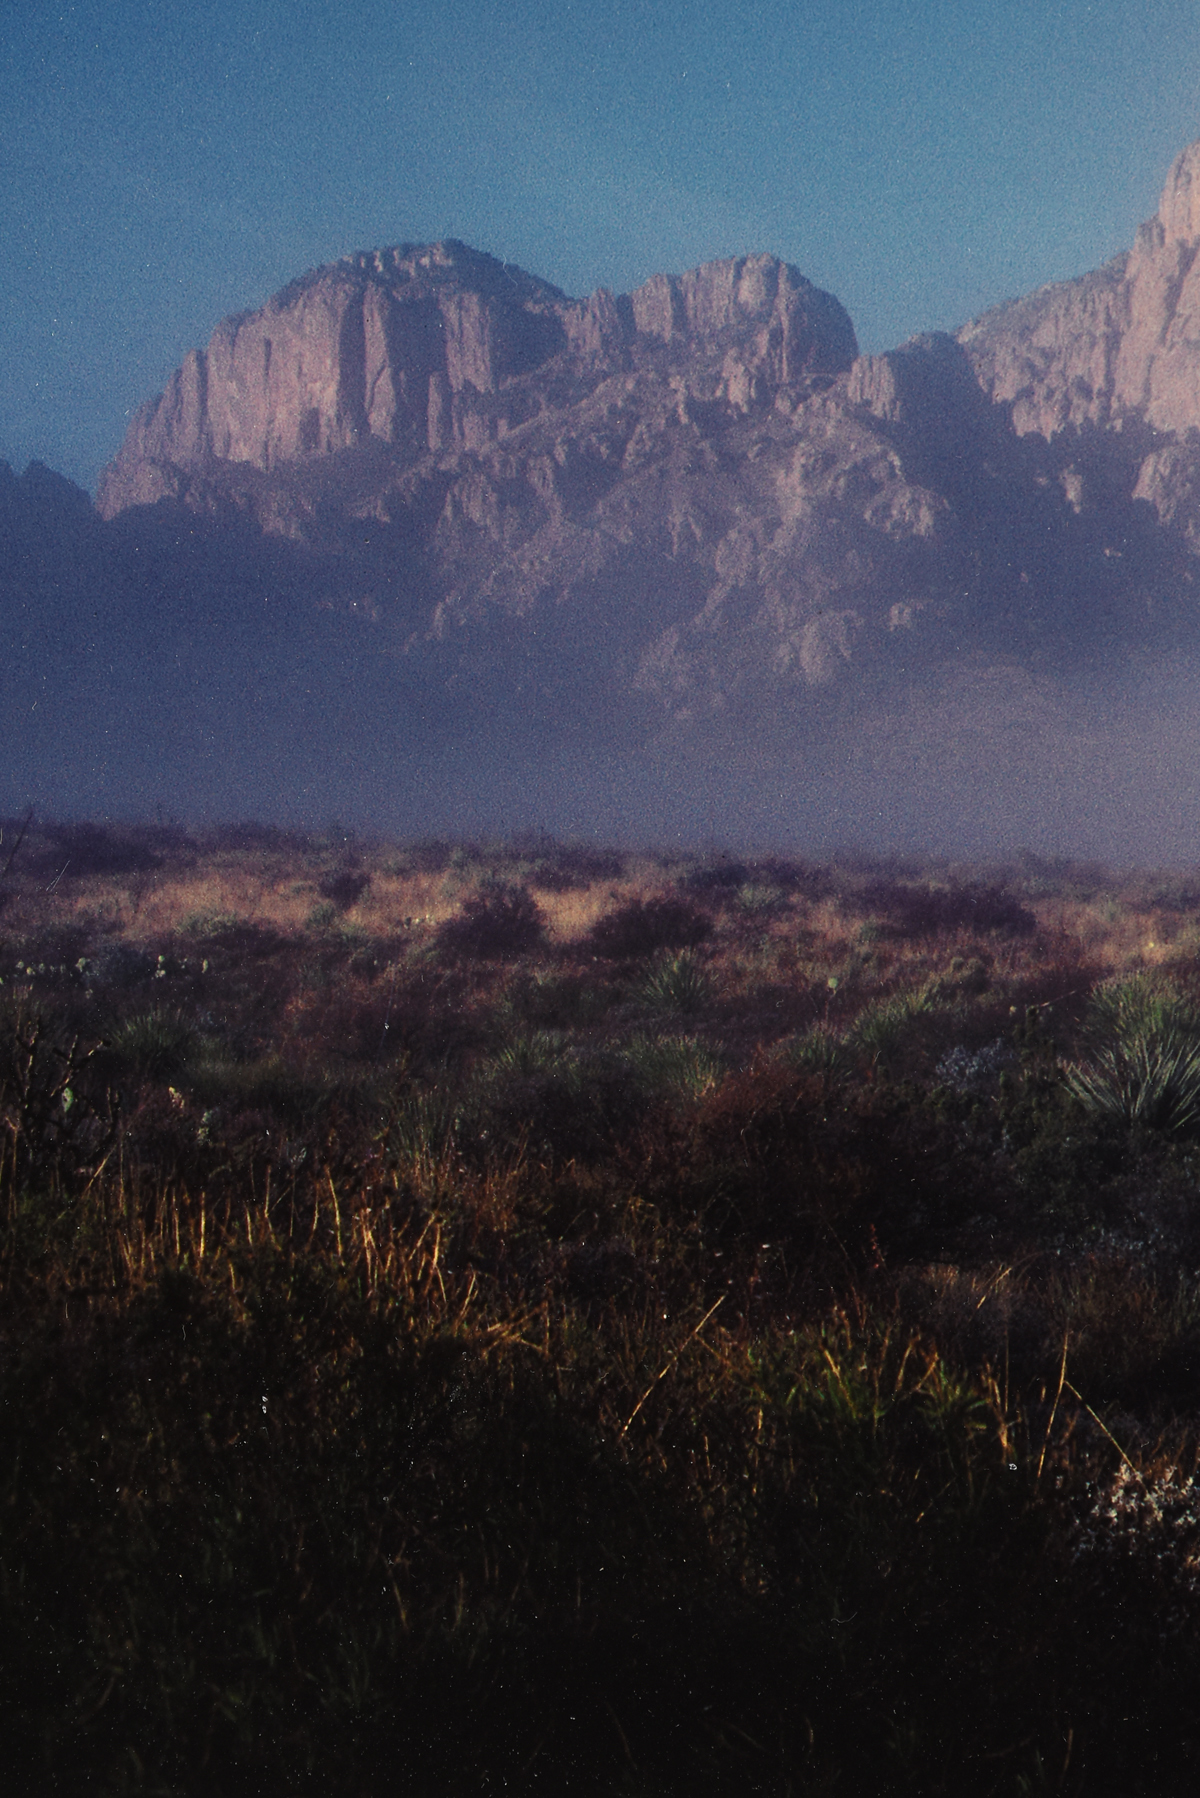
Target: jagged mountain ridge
439	347
701	488
422	499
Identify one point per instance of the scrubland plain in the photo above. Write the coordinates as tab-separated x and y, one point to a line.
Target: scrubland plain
538	1318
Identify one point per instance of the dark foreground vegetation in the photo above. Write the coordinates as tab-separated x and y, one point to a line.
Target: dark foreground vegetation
540	1321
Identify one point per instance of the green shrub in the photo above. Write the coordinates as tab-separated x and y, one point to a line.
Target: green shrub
543	1052
1151	1081
557	1001
677	1064
820	1050
1145	1071
881	1030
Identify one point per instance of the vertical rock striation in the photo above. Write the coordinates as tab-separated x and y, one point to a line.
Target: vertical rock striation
424	349
1117	347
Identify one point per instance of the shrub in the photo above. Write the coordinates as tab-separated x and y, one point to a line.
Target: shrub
1149	1530
1139	1008
557	1001
882	1028
1151	1081
344	888
501	919
1147	1072
923	910
721	877
761	899
95	849
974	1070
676	1064
561	868
118	965
644	926
820	1051
542	1052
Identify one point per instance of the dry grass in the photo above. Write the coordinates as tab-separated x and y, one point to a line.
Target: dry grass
731	1369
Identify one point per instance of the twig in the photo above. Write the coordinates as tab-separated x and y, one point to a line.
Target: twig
1062	1380
669	1365
20	839
1100	1421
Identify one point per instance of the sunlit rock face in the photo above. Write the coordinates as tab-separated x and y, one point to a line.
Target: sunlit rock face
424	525
696	482
696	505
437	347
1116	348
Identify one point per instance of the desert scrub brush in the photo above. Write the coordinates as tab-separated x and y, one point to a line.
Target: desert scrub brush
881	1028
1130	1010
154	1043
526	1057
820	1051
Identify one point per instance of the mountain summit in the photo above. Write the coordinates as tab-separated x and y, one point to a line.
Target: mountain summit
424	524
1116	348
430	348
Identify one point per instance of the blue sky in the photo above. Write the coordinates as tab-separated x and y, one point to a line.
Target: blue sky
165	163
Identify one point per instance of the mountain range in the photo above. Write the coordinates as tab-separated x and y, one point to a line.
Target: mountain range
424	543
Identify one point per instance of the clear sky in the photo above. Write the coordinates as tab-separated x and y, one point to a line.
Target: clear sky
166	162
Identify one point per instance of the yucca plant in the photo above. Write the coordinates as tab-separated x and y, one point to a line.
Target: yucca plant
1144	1070
678	984
820	1051
880	1029
1138	1008
675	1063
1151	1081
525	1057
156	1042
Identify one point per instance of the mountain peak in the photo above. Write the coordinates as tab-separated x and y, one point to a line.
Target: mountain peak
422	349
1179	208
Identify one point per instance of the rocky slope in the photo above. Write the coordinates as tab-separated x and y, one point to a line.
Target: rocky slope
422	497
1109	365
689	502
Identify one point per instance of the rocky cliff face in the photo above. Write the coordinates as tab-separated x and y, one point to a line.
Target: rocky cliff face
1107	367
1119	347
438	348
425	525
699	488
697	501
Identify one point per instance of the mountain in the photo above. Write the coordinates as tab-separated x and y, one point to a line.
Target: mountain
428	540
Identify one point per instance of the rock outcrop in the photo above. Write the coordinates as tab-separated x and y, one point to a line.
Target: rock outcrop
698	501
423	349
424	527
1114	349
